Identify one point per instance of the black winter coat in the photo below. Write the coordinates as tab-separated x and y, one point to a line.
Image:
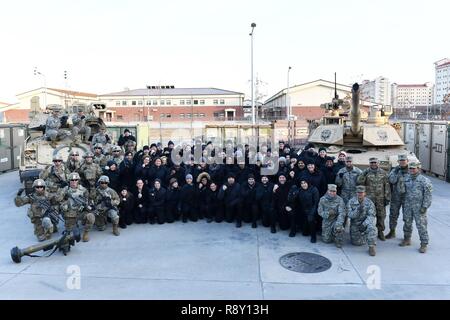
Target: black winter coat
264	196
281	195
304	201
187	196
144	199
317	179
126	174
217	173
232	196
159	173
157	197
144	173
249	194
114	179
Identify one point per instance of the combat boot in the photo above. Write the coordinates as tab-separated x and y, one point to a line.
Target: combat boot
238	224
273	229
254	225
391	234
116	230
372	251
85	237
405	242
423	248
338	244
312	226
381	236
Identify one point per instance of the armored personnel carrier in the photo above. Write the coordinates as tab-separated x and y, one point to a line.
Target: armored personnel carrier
38	151
345	130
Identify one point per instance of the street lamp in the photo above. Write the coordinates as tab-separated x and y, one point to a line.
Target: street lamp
288	100
36	72
253	25
148	99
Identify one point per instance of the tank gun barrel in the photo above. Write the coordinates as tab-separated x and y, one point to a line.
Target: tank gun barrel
355	112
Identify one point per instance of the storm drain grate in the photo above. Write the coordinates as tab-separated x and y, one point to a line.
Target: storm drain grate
305	262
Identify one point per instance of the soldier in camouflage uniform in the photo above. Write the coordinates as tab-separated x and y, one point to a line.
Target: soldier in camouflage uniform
332	209
90	172
346	179
43	227
80	127
52	128
378	190
397	181
417	201
75	206
99	157
102	138
116	155
361	212
73	164
106	200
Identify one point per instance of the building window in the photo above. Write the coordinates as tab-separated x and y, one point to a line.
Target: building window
181	102
163	102
182	115
117	103
195	101
162	115
133	103
215	101
140	102
202	101
119	117
168	102
124	103
155	102
219	114
201	115
149	103
222	101
195	115
188	101
188	115
168	115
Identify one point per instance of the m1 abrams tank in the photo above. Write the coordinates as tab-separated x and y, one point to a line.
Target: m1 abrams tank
38	151
373	137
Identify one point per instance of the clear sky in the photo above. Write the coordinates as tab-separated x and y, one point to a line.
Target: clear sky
108	45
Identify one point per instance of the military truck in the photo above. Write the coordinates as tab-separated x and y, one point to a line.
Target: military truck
38	151
342	128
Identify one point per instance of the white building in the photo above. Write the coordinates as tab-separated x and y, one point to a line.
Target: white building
408	95
305	99
376	91
442	70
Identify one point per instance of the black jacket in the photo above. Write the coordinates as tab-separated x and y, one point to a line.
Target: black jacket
281	195
217	173
123	139
144	173
304	201
173	200
157	197
126	174
249	194
159	173
232	196
187	196
114	179
144	200
264	196
317	180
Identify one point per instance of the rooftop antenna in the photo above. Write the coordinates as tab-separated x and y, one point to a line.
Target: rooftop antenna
335	87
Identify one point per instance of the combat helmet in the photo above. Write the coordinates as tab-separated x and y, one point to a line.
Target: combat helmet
103	179
38	183
116	148
88	155
74	176
57	157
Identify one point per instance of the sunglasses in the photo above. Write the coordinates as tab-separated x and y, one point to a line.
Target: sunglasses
57	160
73	179
39	187
103	182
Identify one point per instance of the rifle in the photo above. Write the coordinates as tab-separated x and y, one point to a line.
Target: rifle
48	209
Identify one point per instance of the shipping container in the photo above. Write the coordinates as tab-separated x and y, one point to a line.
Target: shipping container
12	137
424	150
439	140
410	136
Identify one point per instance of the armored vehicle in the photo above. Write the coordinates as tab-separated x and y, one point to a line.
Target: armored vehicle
38	150
343	129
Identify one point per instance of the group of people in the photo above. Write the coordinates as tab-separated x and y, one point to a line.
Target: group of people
310	191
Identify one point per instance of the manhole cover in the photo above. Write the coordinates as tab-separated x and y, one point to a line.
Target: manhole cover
305	262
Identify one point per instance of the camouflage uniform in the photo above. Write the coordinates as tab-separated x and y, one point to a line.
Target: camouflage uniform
397	181
332	210
117	159
104	209
80	127
90	172
74	207
52	130
347	182
43	227
100	159
362	222
379	191
417	201
102	139
54	178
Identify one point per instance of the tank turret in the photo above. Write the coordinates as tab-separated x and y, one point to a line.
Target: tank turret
374	137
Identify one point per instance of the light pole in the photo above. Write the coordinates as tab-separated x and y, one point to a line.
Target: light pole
288	100
36	72
253	25
148	103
